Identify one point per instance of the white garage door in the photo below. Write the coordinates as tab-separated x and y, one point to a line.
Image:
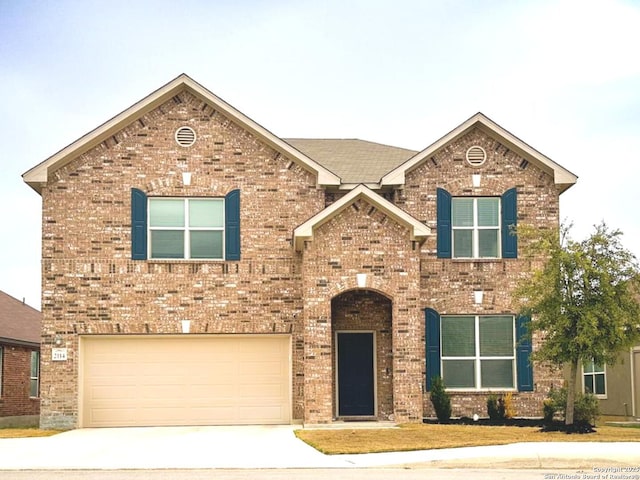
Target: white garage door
184	380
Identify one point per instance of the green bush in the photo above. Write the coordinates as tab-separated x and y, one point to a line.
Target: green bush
495	408
440	400
586	408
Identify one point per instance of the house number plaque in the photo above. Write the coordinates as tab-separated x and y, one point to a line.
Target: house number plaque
58	354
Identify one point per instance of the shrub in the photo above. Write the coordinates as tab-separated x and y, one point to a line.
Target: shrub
494	409
509	408
586	408
440	400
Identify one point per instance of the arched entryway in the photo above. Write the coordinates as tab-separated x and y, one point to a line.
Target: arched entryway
362	355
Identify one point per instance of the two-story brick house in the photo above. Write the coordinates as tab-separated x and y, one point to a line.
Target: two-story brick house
198	269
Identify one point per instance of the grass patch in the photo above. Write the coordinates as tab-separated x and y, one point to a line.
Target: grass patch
26	432
428	437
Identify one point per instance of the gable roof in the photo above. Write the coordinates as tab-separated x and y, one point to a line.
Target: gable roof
562	177
19	323
37	176
354	161
305	231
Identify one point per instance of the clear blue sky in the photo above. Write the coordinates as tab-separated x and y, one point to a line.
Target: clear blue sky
564	76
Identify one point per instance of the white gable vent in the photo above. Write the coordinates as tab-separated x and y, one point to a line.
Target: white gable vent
476	156
185	136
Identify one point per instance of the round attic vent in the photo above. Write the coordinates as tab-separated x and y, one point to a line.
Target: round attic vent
476	156
185	136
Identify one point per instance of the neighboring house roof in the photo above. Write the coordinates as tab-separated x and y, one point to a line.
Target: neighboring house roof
305	231
563	178
19	323
38	175
354	161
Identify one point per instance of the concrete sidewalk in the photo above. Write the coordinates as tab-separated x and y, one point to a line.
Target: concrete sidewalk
277	447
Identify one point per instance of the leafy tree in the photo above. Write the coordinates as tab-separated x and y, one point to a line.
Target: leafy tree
584	300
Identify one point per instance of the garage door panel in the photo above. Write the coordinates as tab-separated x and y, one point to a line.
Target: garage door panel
185	380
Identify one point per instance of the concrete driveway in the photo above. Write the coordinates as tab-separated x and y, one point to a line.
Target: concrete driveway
164	447
261	447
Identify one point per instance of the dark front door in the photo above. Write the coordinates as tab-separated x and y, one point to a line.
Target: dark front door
355	374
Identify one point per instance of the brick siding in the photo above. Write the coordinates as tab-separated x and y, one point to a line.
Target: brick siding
91	286
16	375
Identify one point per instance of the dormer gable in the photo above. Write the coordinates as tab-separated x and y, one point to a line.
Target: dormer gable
562	177
38	176
304	232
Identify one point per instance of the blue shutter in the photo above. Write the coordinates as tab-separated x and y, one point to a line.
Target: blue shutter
432	334
523	355
232	225
138	224
509	219
443	210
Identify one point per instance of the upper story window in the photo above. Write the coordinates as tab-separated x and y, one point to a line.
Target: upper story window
476	227
594	378
185	228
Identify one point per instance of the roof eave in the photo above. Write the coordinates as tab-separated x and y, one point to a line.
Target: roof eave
37	176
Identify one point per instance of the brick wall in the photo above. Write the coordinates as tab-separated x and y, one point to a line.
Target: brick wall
447	285
16	374
91	286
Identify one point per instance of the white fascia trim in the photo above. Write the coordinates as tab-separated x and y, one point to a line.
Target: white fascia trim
305	231
562	177
37	176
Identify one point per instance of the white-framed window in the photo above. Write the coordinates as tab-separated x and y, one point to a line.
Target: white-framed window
34	379
478	352
187	228
1	367
475	224
594	378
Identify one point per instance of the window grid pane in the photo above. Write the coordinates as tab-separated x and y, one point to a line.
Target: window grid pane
599	384
206	213
459	373
462	212
488	212
458	337
488	243
206	244
496	336
463	243
496	373
167	244
166	212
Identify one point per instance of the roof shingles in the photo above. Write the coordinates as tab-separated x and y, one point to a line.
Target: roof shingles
18	321
353	160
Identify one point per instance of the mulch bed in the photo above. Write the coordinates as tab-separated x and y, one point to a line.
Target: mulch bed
555	426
